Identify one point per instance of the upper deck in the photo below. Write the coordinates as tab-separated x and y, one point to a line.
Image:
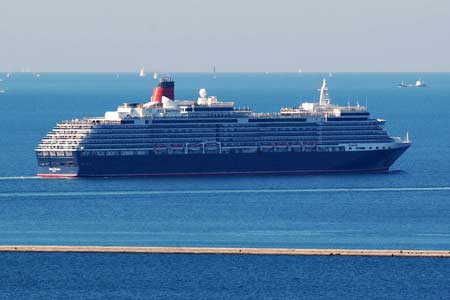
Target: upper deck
207	121
209	107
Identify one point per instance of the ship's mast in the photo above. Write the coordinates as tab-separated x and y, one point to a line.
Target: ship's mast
324	97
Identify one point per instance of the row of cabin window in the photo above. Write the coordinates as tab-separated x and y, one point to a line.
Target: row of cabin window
230	139
220	128
143	139
225	125
247	133
56	164
230	143
56	153
369	148
207	122
227	150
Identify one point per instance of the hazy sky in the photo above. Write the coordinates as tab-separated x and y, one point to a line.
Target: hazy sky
279	35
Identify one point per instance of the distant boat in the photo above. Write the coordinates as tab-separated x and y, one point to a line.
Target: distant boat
419	83
330	74
37	75
214	72
7	75
155	75
142	72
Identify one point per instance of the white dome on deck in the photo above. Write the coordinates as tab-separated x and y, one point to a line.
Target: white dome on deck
202	92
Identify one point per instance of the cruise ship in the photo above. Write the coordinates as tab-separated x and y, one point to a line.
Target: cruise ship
206	136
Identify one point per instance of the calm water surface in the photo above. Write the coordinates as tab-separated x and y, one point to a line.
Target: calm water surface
408	208
351	211
138	276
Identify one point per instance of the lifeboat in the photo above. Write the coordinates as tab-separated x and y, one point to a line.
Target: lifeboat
177	148
195	148
212	147
281	147
161	149
296	147
267	147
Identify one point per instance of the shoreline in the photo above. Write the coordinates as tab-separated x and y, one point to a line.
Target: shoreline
227	251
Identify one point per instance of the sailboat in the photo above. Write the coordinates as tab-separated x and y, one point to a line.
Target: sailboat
155	75
142	72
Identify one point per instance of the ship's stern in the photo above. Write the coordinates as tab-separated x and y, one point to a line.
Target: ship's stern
57	164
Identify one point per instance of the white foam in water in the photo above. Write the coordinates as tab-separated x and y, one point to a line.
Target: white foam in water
19	177
247	191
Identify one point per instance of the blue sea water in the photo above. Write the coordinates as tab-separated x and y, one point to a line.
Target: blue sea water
408	208
348	211
141	276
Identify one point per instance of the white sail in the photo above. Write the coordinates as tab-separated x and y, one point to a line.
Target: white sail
142	72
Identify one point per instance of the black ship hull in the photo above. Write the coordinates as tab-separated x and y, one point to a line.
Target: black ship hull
232	163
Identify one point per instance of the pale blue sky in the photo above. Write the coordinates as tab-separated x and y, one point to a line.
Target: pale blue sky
192	36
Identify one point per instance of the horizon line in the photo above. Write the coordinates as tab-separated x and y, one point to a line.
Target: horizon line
226	72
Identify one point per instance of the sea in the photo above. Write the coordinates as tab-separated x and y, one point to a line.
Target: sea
406	208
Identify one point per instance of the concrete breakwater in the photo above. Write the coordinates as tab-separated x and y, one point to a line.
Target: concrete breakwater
232	251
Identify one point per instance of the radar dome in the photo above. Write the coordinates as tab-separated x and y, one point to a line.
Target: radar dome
202	93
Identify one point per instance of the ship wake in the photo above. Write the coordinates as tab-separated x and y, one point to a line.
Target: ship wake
224	192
